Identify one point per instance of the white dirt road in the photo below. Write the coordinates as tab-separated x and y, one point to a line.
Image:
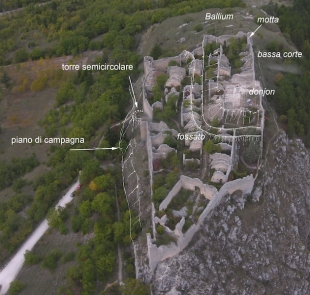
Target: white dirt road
11	270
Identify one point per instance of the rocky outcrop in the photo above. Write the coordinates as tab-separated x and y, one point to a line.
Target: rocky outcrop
256	244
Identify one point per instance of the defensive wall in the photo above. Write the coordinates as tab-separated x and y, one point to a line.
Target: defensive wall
146	105
190	160
149	154
157	254
221	39
189	184
152	68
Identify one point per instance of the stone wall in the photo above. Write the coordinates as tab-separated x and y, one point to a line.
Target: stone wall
146	105
162	63
195	67
164	148
161	127
177	187
189	184
190	160
143	130
220	157
198	51
189	116
196	145
157	105
157	254
162	152
158	139
225	146
243	184
150	155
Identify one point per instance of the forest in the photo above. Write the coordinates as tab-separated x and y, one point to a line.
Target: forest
292	96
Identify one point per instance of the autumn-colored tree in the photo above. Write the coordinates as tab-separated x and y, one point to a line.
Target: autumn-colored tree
278	77
104	182
93	186
38	84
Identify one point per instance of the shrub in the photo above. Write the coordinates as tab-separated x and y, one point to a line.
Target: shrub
31	258
16	287
156	51
21	55
76	222
68	257
51	259
172	63
198	28
160	229
159	195
252	153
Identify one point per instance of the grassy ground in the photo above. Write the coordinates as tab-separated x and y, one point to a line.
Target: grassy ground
20	110
49	281
19	115
251	3
179	27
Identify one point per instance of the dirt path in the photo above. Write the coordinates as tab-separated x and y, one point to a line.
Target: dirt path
119	253
18	9
11	270
248	166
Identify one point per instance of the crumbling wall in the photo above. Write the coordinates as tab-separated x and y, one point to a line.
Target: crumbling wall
162	152
143	130
157	254
149	155
189	184
158	139
243	184
146	105
157	105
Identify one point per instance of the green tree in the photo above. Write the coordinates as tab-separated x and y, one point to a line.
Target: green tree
291	115
160	229
85	209
198	28
20	55
65	93
56	217
252	152
209	146
76	222
156	51
134	287
104	182
103	203
51	259
16	287
31	258
171	179
118	231
90	170
103	154
169	140
5	79
215	122
68	257
105	265
88	277
159	195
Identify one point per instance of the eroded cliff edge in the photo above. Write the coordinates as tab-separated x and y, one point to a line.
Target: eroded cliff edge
256	244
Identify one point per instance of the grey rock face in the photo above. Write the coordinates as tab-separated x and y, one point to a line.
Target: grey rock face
257	244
